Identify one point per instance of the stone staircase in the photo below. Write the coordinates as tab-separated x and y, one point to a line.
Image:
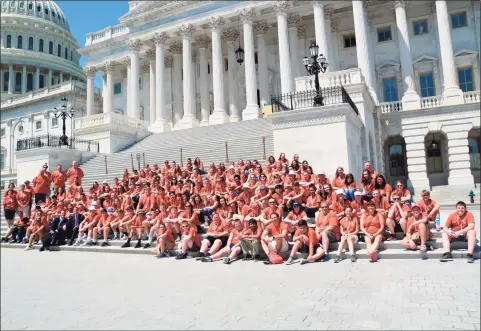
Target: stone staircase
387	250
245	140
448	196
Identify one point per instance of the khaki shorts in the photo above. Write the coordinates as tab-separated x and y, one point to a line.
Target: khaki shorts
272	246
332	237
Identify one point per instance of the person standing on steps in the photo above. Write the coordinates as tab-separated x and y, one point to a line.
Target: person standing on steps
59	177
459	227
75	174
41	185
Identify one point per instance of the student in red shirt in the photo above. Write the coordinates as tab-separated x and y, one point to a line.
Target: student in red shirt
232	249
305	241
274	237
190	240
459	227
165	241
349	227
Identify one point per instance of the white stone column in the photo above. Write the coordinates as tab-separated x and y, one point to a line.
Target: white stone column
458	156
219	114
161	123
188	120
252	109
90	72
177	92
61	77
126	86
293	19
24	79
452	94
260	29
152	95
231	35
362	45
301	41
287	82
410	98
416	160
109	88
322	38
11	79
49	79
203	43
134	46
37	79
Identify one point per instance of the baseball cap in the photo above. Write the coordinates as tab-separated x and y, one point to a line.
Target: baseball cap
92	208
296	204
357	193
110	210
292	172
148	214
339	191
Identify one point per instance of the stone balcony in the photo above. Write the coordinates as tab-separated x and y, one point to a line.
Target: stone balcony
105	34
330	79
428	102
88	122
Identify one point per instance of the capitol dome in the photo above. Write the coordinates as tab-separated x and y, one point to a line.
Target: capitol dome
37	47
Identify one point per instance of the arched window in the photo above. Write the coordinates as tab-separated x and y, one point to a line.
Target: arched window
396	160
19	42
46	11
71	55
30	6
39	9
9	41
50	47
18	82
41	82
40	45
65	53
29	82
30	43
59	50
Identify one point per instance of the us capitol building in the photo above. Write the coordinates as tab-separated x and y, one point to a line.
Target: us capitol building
401	85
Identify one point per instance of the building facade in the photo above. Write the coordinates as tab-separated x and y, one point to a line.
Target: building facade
39	65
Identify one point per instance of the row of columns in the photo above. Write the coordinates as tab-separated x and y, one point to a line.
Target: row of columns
36	79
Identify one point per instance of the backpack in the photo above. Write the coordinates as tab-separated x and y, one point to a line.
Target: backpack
275	258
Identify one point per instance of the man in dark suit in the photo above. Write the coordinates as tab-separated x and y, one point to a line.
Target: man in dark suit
73	224
58	231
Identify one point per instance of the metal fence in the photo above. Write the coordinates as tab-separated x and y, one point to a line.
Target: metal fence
49	140
305	99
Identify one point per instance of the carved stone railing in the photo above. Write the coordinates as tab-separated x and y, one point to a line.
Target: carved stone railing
107	33
432	102
110	118
336	78
471	97
391	107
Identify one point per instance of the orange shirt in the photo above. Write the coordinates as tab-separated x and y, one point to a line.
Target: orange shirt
275	229
372	224
235	236
41	184
195	236
296	217
426	208
10	202
23	198
311	236
411	220
348	226
216	228
337	207
105	221
146	201
338	182
383	204
59	178
168	235
72	173
323	221
458	223
313	201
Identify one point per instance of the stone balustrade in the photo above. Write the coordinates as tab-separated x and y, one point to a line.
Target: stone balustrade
336	78
391	107
432	102
109	118
107	33
471	97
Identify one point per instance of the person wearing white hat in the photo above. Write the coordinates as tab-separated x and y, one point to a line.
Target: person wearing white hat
339	205
417	232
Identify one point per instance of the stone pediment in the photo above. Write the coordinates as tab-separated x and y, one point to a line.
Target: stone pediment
425	59
388	65
465	52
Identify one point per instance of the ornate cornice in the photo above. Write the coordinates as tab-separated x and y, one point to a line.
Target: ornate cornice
216	22
176	48
230	34
126	61
160	38
150	54
109	67
145	68
281	7
328	12
301	32
123	72
134	44
293	19
334	25
247	14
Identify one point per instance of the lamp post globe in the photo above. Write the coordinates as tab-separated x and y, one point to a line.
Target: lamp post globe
63	112
318	64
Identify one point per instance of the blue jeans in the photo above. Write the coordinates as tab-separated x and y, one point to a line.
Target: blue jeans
349	194
202	172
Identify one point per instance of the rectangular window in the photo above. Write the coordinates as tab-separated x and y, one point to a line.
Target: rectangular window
390	89
140	83
465	77
420	27
117	88
349	40
2	161
426	82
3	132
38	125
384	34
54	121
459	20
226	64
256	59
208	70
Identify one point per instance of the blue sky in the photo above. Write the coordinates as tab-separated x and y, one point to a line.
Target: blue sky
90	16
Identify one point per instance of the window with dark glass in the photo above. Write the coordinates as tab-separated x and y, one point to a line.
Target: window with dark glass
29	82
390	89
50	47
6	77
384	34
9	41
40	45
19	42
465	77
65	53
474	155
426	82
420	27
349	40
396	160
434	159
41	83
117	88
59	51
18	82
30	43
459	20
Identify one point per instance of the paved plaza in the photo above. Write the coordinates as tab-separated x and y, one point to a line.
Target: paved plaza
75	290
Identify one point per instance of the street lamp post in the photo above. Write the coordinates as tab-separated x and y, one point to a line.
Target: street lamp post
64	113
317	65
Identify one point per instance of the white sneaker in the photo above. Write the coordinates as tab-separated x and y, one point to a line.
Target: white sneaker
77	242
28	248
40	242
87	243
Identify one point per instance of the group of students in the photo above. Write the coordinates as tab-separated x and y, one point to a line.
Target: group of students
249	208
